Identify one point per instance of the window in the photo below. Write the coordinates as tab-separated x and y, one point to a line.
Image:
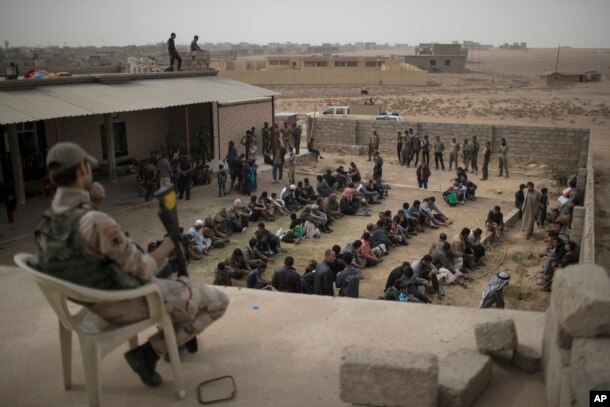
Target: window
309	64
340	111
321	64
373	64
339	63
120	140
447	62
432	62
352	64
279	62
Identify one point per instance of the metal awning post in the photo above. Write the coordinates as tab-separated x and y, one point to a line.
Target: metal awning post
18	183
186	127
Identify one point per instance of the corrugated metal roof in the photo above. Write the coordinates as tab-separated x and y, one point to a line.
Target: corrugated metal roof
82	99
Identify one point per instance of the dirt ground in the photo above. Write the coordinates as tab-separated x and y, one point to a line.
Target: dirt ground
504	88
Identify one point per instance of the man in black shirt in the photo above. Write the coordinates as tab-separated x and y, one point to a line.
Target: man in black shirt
173	54
396	274
325	278
287	279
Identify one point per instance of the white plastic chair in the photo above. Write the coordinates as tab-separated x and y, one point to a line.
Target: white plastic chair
98	337
134	65
147	64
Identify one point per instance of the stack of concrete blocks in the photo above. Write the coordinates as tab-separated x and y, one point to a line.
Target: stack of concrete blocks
576	347
538	143
497	338
377	377
195	61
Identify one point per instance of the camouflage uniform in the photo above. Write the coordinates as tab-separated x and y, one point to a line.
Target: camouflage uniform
373	144
95	238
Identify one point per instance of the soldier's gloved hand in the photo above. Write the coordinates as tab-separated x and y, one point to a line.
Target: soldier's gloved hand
97	193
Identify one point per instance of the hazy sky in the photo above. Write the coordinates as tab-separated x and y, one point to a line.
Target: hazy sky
542	23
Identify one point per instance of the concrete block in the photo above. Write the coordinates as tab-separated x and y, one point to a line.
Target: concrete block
380	377
463	376
581	297
526	359
496	336
589	367
556	361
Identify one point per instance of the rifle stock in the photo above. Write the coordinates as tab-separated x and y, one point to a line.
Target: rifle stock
168	213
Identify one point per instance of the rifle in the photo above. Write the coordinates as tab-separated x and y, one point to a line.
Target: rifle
168	213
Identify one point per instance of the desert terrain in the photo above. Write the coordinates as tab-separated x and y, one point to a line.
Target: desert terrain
503	87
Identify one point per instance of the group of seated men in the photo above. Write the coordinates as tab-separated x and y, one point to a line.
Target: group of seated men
447	262
341	268
461	188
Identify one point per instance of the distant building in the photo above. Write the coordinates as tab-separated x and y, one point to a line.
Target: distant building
438	58
553	77
516	46
322	70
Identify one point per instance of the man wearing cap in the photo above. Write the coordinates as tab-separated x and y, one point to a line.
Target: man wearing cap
78	243
201	244
493	295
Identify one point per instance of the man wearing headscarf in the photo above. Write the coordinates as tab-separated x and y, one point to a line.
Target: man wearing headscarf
493	296
530	209
201	243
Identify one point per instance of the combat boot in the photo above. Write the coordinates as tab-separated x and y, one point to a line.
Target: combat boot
143	361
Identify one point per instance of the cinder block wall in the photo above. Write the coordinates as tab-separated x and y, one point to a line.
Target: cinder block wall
235	119
523	141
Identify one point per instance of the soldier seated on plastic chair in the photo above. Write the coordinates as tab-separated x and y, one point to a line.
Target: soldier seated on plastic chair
78	243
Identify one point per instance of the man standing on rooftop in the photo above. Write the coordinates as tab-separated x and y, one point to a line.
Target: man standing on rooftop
173	54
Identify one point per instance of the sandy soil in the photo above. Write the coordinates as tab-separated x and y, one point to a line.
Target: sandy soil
502	87
505	90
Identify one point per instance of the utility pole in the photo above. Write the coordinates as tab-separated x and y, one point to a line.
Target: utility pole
557	62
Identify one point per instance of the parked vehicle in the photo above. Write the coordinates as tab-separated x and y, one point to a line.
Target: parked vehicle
290	117
389	116
332	111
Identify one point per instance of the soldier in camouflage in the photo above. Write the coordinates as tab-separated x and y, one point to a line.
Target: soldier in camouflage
78	243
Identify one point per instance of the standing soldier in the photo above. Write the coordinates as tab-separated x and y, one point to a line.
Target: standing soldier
204	137
399	147
503	159
373	144
415	148
296	135
406	149
466	154
486	158
454	151
185	170
266	132
475	152
439	148
286	135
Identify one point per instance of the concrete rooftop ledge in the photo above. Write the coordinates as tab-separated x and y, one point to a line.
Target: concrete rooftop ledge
287	352
20	84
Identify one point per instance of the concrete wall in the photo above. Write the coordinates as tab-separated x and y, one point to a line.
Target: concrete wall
458	62
523	141
583	219
235	119
146	130
339	76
